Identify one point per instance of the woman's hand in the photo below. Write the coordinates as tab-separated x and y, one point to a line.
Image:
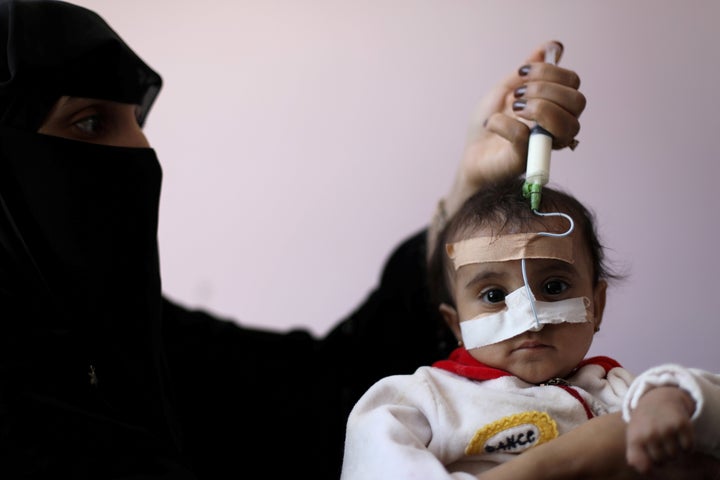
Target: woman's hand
498	136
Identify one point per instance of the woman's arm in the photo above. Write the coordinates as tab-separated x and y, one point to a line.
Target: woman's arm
596	451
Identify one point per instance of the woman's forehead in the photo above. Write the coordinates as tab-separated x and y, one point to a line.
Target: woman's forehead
56	48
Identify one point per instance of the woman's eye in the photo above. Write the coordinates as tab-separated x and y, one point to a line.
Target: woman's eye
89	125
555	287
494	295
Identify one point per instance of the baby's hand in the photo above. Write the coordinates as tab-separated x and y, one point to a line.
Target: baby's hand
660	427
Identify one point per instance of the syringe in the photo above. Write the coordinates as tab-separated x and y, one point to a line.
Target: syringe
537	172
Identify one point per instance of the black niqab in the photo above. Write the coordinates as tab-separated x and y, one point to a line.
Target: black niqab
82	369
81	360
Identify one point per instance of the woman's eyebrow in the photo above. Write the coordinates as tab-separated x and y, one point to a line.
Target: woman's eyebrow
66	103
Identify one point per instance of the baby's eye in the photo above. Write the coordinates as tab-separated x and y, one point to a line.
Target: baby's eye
555	287
494	295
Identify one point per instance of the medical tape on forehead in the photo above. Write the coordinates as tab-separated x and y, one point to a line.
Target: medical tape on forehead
517	317
502	248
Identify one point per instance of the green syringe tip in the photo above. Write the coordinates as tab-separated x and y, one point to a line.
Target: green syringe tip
534	192
535	200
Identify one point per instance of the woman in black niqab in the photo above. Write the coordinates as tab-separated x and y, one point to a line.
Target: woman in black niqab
81	362
83	351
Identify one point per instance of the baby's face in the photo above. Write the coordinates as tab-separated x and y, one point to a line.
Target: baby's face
480	289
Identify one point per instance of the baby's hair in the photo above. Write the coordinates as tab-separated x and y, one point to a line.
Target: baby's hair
502	208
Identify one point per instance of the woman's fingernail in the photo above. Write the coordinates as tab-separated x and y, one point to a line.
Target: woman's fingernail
520	91
524	70
485	123
519	105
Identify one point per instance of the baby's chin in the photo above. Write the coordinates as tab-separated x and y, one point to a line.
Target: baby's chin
540	376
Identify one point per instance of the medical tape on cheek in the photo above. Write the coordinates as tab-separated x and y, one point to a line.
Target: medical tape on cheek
517	317
516	246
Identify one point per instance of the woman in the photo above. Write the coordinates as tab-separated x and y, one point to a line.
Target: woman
102	377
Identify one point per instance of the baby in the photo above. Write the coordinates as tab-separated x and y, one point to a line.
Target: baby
524	293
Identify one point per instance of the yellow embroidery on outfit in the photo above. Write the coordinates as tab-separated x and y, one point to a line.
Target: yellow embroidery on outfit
513	434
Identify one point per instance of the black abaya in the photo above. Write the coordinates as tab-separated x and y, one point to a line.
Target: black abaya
102	377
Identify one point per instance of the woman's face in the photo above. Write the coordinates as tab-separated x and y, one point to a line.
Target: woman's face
95	121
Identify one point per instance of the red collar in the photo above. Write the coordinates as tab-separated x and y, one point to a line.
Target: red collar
462	363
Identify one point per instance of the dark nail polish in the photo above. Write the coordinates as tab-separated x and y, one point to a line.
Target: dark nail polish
519	105
524	70
520	91
485	123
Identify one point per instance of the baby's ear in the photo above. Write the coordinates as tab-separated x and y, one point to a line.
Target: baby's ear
452	319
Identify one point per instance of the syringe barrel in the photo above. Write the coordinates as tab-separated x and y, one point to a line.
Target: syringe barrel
538	160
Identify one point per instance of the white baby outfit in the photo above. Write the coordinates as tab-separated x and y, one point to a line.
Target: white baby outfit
459	417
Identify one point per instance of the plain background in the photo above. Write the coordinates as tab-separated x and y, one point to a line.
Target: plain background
301	140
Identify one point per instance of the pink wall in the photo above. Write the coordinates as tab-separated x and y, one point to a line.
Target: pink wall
302	139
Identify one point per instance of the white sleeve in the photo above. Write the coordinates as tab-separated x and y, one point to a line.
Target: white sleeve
703	387
388	432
